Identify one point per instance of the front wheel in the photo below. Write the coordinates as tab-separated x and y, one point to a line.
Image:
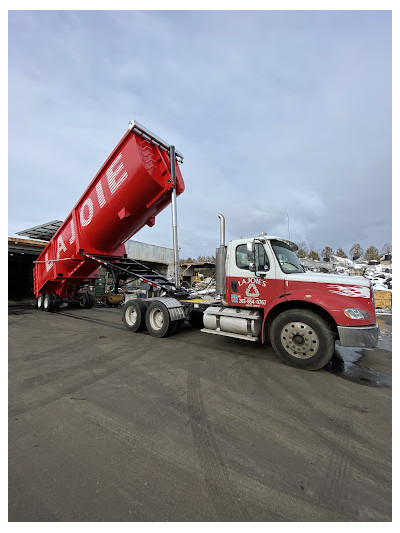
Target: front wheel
302	338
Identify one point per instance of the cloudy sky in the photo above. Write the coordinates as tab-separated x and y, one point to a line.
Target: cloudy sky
284	118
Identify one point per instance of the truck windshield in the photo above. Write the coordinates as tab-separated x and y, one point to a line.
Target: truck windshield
288	260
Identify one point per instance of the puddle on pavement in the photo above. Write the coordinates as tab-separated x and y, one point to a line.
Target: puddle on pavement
385	335
344	361
344	364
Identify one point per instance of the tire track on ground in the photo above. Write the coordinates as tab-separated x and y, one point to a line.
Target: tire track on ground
94	320
222	492
293	406
59	375
333	492
73	347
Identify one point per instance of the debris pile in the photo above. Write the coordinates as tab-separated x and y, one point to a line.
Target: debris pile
205	286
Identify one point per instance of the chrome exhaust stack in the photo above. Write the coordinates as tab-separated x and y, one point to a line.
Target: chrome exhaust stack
220	273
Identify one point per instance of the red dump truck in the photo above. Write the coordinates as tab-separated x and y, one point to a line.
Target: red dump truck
263	293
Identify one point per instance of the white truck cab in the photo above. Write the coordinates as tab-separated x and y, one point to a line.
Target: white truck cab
267	295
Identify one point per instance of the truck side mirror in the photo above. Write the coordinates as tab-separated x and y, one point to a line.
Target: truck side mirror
251	252
252	267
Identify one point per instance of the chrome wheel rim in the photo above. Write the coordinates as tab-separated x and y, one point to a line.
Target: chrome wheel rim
299	340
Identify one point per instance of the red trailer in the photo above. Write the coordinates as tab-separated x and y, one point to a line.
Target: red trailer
135	183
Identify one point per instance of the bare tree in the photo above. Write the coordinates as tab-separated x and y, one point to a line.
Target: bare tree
303	251
327	252
356	251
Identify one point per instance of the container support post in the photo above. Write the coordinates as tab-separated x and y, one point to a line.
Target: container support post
172	159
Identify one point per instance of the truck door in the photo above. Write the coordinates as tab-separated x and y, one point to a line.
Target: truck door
246	288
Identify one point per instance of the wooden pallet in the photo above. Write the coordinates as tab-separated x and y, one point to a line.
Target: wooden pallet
383	299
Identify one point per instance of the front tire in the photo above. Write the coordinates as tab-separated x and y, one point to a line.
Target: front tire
302	339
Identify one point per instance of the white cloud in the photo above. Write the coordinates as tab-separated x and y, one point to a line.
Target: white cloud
276	113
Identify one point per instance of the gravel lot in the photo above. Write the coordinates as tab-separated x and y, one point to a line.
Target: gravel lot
108	425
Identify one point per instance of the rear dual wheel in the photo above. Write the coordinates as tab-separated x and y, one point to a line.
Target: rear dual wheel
134	315
48	302
86	300
39	302
155	317
158	320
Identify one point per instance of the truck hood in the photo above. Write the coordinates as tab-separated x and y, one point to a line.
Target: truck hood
334	279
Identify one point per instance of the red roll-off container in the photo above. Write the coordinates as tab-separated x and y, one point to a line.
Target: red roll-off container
131	188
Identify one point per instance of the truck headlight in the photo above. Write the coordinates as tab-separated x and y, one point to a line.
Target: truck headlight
356	313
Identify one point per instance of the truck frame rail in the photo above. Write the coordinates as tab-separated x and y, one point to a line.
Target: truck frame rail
124	268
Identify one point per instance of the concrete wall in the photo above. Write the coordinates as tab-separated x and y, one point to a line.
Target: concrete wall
157	257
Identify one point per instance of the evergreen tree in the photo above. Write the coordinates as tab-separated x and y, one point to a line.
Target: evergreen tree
341	253
314	255
372	254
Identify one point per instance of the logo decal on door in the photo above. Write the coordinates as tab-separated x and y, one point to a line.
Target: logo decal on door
252	291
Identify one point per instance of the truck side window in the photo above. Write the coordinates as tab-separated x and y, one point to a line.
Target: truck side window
261	257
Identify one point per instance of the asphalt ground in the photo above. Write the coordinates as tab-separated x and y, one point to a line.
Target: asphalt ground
106	425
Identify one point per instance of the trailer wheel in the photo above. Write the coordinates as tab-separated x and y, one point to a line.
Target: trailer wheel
56	302
302	339
91	300
158	321
39	302
48	303
134	315
83	300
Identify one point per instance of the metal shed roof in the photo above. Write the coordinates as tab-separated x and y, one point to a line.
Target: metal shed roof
43	232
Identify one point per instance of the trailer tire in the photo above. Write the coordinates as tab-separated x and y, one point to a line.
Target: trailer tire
48	303
39	302
91	300
83	300
302	339
56	302
134	315
158	321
